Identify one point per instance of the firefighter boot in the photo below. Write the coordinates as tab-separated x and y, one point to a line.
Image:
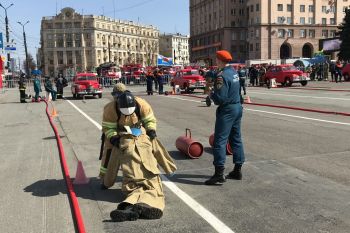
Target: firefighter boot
121	215
218	177
236	174
147	212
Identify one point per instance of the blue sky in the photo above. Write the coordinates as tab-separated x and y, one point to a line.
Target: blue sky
169	16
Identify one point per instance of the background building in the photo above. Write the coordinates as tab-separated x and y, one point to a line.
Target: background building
261	29
73	42
175	46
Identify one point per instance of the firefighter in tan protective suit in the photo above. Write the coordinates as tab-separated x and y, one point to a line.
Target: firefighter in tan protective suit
130	126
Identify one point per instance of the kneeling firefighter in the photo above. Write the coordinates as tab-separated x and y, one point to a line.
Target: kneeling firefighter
130	126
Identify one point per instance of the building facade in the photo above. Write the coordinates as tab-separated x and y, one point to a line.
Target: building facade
262	29
175	46
71	42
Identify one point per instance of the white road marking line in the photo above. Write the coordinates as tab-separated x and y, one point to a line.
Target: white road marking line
193	204
300	117
300	96
276	113
85	115
198	208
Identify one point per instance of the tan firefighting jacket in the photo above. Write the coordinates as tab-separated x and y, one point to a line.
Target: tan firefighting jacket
109	122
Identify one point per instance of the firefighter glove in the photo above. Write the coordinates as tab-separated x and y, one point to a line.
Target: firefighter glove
151	134
115	141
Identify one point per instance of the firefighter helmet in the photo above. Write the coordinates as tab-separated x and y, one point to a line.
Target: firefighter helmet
126	103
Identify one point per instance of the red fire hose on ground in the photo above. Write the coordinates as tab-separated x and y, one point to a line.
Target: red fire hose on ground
78	220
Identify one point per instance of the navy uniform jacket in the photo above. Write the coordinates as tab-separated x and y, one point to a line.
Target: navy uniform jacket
226	87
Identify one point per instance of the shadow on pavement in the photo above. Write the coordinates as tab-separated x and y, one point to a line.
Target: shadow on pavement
208	150
189	179
52	137
178	155
91	191
80	99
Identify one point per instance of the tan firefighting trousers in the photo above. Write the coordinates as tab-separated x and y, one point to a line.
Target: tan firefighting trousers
138	158
106	155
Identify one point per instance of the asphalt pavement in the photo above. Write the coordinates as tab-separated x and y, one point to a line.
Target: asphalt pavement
296	178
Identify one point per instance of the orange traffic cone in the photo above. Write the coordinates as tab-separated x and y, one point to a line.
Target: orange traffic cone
80	177
247	100
53	113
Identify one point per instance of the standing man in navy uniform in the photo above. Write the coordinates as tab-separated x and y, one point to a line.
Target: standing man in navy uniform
226	95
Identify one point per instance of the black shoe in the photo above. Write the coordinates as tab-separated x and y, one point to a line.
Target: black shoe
128	214
236	174
103	187
123	205
147	212
218	177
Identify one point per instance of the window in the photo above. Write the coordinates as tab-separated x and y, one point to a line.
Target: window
332	33
311	20
324	20
281	19
257	7
257	33
325	33
289	20
252	8
332	21
289	7
251	47
324	9
290	33
242	35
302	33
281	33
280	7
77	24
257	46
302	20
311	8
312	33
234	36
302	8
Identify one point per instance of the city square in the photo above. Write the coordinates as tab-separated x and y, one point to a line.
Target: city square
294	126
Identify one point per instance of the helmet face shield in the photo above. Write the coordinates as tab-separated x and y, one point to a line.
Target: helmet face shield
126	103
127	111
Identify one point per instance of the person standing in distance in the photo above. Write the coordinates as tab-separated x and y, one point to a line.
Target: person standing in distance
226	94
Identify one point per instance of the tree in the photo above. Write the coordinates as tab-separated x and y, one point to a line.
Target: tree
344	53
31	63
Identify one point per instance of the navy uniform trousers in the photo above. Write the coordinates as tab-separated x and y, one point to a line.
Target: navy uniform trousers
228	126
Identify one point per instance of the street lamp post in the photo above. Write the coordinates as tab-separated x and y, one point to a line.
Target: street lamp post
25	46
7	33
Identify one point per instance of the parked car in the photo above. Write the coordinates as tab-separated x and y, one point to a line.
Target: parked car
287	75
86	84
188	80
346	72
